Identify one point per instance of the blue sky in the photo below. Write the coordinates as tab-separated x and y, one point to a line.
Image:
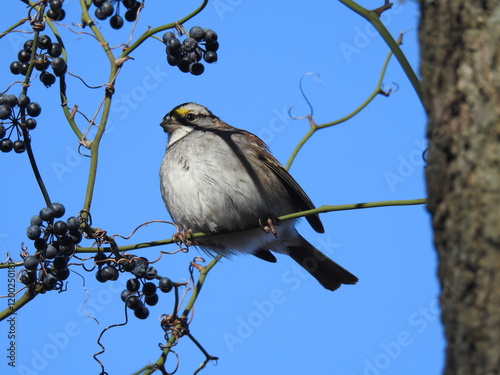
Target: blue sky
255	316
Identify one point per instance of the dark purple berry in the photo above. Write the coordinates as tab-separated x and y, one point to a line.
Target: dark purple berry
23	101
47	79
173	44
172	60
46	213
33	232
62	274
55	50
109	273
151	300
73	223
99	257
61	15
189	44
196	68
165	285
28	278
133	302
10	100
210	57
28	45
75	236
6	145
99	277
59	66
36	220
5	111
55	5
56	15
33	109
51	251
124	295
129	3
133	285
141	311
60	262
60	227
131	13
59	209
116	22
183	65
66	247
44	41
140	268
212	47
23	68
197	33
24	56
40	244
151	273
210	36
30	262
168	35
2	131
149	289
30	123
50	280
41	63
99	15
106	9
19	146
14	67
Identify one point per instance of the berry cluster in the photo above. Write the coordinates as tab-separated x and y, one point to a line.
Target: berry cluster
105	9
16	110
141	291
55	11
54	249
186	55
48	54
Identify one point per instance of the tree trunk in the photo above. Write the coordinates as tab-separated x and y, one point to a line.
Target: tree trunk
460	67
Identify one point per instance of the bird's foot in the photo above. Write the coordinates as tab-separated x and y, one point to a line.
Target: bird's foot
269	225
183	238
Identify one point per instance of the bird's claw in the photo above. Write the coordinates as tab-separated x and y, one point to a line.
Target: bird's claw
183	238
269	226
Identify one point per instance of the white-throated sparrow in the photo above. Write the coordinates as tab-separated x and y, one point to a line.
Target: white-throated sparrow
218	179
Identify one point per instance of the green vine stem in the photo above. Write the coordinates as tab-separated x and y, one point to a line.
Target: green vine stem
313	128
319	210
160	363
204	271
12	309
115	68
13	27
374	18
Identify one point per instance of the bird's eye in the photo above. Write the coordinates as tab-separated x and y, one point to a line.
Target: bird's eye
190	117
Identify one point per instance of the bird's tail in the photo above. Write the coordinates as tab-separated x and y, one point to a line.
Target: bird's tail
326	271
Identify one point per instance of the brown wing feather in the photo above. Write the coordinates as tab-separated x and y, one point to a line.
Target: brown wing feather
293	188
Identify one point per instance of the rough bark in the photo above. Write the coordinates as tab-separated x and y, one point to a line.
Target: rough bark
460	67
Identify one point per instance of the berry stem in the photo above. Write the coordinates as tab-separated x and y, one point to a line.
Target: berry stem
62	83
34	167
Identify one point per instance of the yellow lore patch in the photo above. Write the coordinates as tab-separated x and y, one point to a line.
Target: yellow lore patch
182	111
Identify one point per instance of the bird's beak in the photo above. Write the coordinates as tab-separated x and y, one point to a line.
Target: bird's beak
168	124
